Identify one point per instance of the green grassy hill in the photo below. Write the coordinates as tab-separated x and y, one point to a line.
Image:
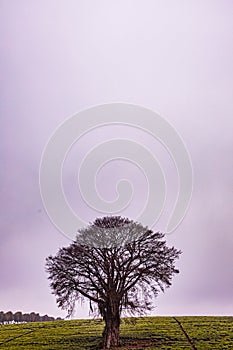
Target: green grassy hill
147	333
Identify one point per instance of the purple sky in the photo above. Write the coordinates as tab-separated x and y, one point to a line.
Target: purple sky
175	57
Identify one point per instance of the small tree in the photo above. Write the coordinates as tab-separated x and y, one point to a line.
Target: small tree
9	317
2	317
32	317
26	317
18	316
37	317
115	263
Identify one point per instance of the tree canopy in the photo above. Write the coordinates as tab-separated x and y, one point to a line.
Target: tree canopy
118	265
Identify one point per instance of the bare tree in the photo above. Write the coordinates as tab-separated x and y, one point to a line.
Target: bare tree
118	265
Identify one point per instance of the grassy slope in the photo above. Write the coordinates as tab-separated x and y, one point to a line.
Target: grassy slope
148	333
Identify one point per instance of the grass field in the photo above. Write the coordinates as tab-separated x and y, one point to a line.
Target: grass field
147	333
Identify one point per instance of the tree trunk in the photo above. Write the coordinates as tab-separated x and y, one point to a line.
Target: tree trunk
111	331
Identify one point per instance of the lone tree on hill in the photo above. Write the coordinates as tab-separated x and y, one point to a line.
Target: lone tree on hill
115	263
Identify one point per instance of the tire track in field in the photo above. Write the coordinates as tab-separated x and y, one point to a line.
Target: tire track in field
19	336
185	334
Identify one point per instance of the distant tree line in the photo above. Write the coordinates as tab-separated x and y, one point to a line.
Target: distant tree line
17	317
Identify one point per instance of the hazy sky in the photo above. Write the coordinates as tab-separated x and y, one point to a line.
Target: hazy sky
174	57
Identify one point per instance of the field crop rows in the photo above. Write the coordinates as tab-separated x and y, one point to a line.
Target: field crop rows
147	333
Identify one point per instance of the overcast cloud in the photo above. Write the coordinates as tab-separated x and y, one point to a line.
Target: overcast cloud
175	57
